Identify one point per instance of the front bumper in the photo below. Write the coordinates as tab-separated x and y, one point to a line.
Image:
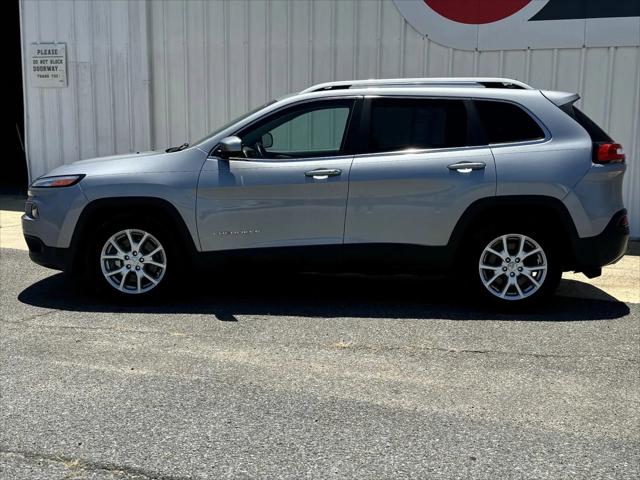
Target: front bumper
593	253
50	257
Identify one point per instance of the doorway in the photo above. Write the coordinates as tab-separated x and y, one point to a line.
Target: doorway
14	178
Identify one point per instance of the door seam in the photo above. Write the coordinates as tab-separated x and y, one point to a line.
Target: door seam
346	203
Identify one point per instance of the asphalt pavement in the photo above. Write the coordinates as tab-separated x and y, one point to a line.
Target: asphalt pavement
312	377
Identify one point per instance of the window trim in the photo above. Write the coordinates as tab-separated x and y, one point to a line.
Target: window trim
474	126
347	140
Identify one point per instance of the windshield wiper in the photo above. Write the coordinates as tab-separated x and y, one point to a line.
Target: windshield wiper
177	149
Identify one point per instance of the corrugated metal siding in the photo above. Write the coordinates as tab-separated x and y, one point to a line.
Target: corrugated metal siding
105	107
213	60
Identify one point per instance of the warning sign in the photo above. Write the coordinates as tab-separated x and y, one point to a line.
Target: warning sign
48	65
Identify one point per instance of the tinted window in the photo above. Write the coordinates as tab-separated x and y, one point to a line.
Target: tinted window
594	131
310	130
505	122
318	130
400	124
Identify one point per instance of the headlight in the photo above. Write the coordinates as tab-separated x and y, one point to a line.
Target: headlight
57	181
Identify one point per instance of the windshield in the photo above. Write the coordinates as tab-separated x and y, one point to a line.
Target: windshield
235	120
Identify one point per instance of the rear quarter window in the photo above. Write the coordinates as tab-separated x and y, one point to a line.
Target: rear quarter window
506	122
596	133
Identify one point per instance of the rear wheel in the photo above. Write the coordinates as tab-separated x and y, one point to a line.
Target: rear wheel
515	268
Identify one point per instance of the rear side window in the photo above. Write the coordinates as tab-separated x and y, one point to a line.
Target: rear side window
595	132
505	122
404	123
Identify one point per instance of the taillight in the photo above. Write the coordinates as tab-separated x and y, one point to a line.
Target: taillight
609	153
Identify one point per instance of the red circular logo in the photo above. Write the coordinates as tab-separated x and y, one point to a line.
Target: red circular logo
476	11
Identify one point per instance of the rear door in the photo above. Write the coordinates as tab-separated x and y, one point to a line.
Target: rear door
423	166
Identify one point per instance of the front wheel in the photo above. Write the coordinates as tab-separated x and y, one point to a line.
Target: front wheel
516	268
132	260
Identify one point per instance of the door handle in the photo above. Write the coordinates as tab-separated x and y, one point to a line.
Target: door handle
466	167
322	173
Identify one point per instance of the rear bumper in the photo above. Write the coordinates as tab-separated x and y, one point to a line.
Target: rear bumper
50	257
592	253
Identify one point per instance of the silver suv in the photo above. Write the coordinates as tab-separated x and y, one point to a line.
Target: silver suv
484	179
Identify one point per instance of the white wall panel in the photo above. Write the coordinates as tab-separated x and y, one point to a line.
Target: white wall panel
105	107
207	61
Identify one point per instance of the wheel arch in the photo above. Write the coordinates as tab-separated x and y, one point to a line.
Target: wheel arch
97	212
542	211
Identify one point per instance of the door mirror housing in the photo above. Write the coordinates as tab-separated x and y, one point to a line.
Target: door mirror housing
230	146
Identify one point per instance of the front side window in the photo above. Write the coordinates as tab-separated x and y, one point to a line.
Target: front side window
505	122
408	123
310	130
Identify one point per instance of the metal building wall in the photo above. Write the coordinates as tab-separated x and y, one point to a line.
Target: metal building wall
213	60
105	107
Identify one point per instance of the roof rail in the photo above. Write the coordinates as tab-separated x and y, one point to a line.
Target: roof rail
481	82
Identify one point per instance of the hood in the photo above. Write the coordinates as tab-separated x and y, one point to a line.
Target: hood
113	158
157	161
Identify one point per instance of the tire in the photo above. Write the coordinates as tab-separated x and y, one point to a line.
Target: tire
133	259
527	272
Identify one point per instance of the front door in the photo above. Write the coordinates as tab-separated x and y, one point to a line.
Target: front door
289	188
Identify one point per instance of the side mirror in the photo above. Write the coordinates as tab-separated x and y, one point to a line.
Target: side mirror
267	140
230	146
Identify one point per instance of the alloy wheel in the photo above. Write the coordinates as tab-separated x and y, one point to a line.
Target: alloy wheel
133	261
513	266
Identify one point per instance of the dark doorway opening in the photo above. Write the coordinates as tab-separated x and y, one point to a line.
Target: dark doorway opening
14	177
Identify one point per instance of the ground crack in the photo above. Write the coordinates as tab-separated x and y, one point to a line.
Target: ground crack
77	465
30	317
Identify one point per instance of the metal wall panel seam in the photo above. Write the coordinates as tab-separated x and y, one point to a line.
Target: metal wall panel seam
76	68
167	104
25	113
583	62
634	188
147	50
129	84
205	16
267	73
247	50
554	69
425	55
41	93
476	61
61	138
288	53
611	53
288	47
333	28
356	38
185	62
112	105
311	37
92	74
379	39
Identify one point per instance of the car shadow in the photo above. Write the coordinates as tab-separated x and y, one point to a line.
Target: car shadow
321	296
